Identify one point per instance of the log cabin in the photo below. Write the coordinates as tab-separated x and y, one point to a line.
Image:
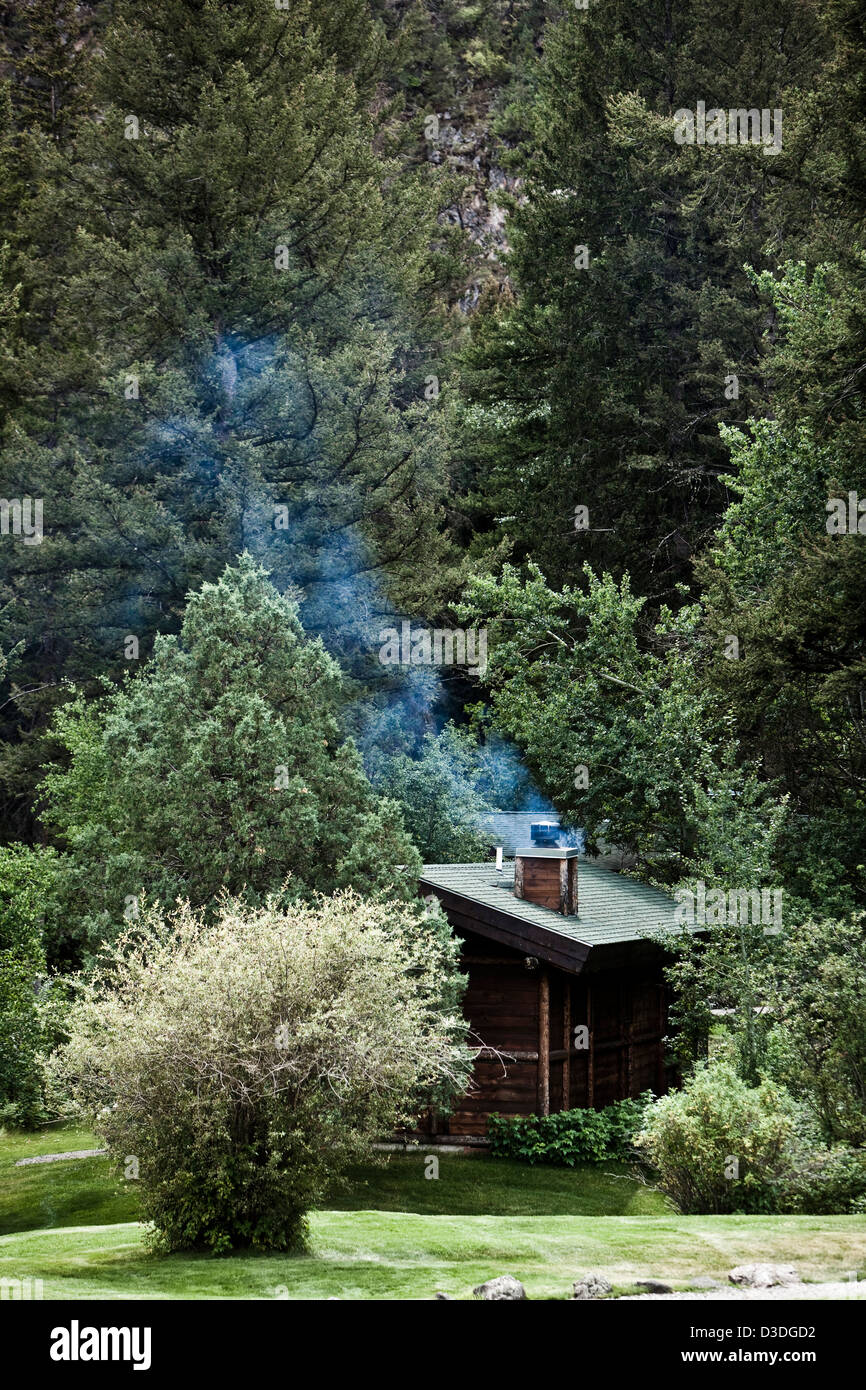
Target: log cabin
566	999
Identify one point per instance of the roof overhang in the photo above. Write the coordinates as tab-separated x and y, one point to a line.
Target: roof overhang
526	937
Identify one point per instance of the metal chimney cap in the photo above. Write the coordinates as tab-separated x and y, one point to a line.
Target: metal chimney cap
545	852
545	832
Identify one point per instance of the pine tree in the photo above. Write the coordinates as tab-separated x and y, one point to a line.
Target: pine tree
244	316
783	575
45	46
221	766
634	330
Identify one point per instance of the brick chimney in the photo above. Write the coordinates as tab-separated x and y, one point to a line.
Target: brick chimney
548	877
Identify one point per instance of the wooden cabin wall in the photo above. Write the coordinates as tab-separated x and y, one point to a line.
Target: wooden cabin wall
626	1016
623	1008
501	1003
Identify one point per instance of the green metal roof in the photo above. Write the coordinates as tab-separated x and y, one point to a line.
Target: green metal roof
611	909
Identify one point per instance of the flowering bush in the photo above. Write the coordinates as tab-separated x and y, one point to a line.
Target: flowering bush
236	1068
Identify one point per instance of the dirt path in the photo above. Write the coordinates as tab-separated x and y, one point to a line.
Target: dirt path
781	1294
58	1158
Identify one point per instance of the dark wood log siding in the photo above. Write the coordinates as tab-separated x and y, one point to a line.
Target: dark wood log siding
623	1008
543	1069
501	1003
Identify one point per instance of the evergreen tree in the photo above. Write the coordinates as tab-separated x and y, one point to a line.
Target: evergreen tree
220	767
786	578
624	732
440	797
244	313
46	45
633	330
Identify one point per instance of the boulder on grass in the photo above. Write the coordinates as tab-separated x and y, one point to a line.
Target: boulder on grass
763	1276
592	1286
503	1286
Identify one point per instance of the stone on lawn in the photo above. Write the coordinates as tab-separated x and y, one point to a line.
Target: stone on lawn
763	1276
505	1286
592	1285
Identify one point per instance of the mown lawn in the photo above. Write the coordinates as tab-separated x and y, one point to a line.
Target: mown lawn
76	1192
401	1255
480	1185
399	1235
80	1192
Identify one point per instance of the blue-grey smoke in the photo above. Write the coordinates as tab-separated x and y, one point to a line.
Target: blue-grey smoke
306	529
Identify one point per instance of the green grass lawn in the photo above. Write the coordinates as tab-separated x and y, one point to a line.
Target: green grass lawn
395	1234
482	1186
79	1192
373	1255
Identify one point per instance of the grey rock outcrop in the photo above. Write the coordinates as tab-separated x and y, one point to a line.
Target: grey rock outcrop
592	1285
504	1286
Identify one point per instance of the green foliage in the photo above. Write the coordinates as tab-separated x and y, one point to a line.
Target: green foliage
243	1064
29	1004
575	682
569	1137
719	1145
47	46
604	386
438	43
571	685
825	1182
793	593
439	797
730	963
176	376
300	390
728	967
820	1041
220	767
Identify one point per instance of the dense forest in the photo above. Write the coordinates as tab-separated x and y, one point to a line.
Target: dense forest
320	320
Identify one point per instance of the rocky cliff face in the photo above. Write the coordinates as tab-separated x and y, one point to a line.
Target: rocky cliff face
467	76
467	149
